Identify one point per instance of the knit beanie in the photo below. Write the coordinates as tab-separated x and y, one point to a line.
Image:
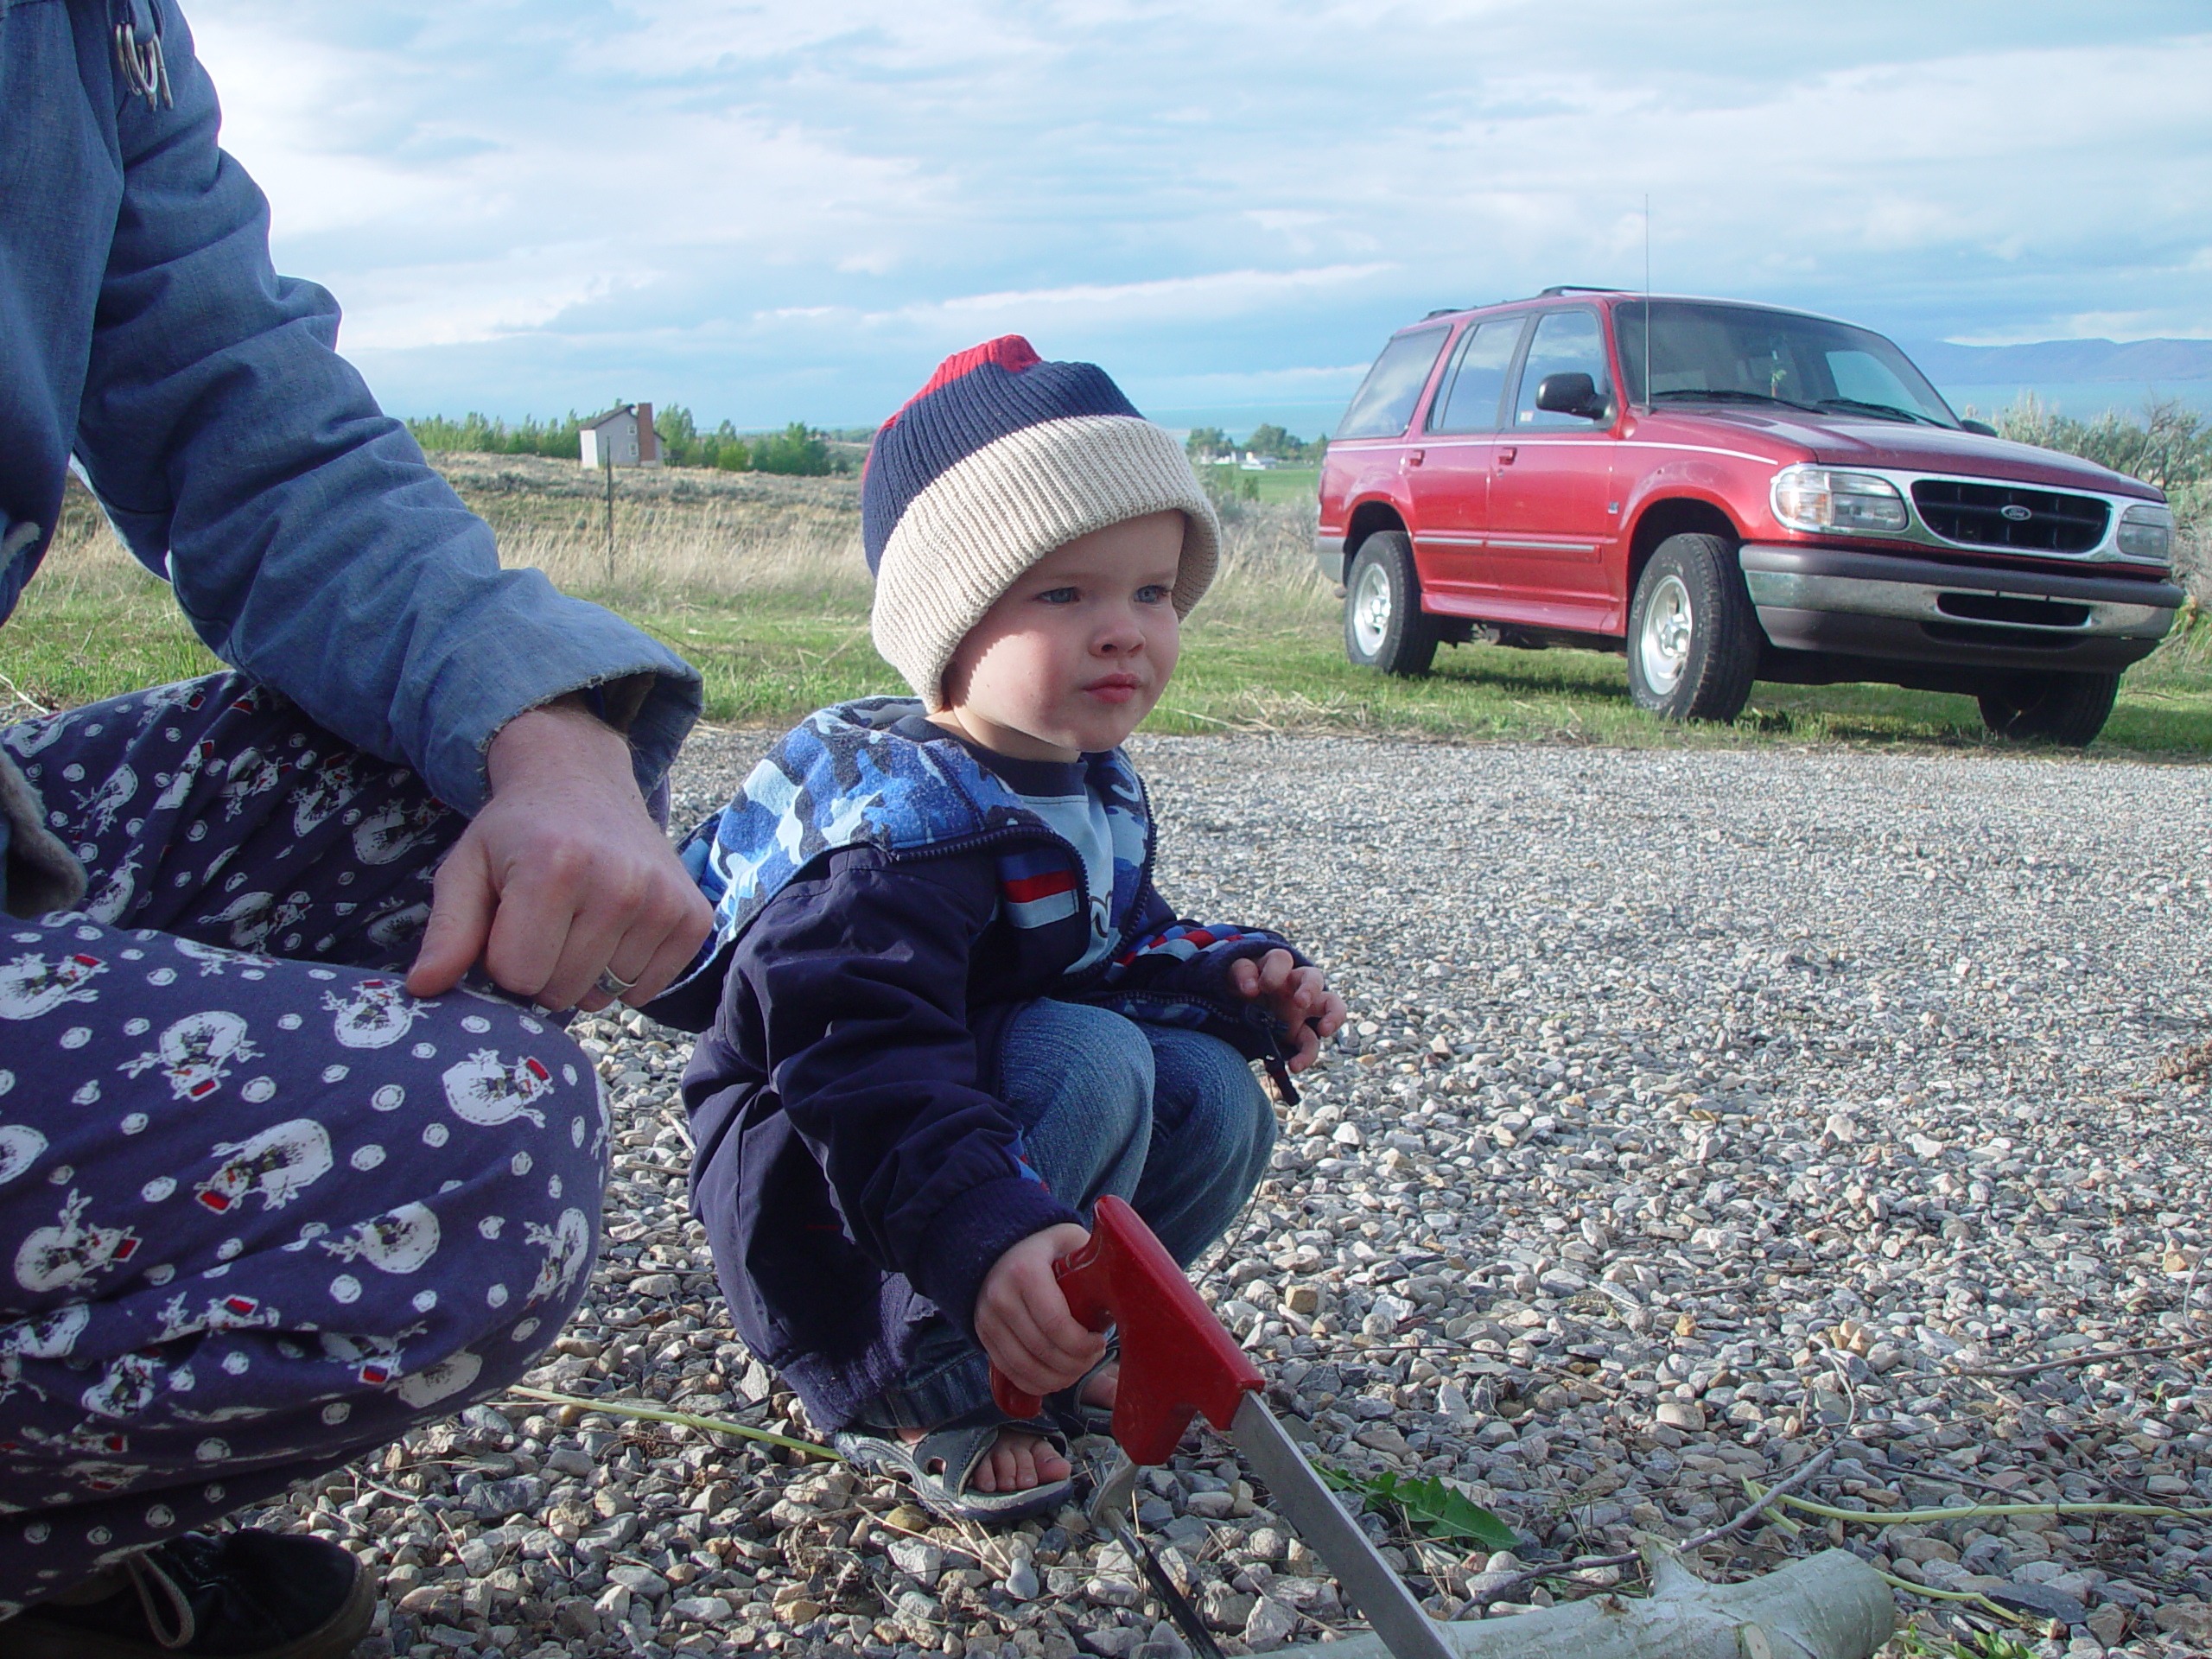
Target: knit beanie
1000	458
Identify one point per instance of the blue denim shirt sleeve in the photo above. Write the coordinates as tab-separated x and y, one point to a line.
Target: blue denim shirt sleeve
306	539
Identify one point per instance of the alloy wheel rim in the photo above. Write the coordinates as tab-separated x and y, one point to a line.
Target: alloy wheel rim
1663	647
1371	610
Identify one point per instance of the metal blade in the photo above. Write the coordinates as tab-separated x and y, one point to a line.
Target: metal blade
1297	1493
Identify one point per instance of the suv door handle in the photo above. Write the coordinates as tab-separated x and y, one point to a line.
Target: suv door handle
1505	455
1414	458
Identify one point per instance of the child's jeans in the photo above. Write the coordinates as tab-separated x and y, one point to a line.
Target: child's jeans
1171	1119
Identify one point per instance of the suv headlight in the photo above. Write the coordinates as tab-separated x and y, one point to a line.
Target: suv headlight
2146	532
1859	504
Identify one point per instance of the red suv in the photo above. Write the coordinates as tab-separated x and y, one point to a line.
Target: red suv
1729	493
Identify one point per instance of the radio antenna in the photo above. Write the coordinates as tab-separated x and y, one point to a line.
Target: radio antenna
1647	301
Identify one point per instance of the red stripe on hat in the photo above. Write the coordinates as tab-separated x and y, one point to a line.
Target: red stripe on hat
1010	351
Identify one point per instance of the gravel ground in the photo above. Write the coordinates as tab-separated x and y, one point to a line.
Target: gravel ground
1702	1112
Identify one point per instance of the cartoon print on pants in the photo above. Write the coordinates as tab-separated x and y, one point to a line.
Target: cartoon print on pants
435	1383
49	1336
485	1091
232	1312
253	917
399	1241
101	807
335	783
114	894
213	958
394	828
20	1145
67	1253
566	1244
195	1053
31	986
278	1163
373	1360
251	774
178	784
378	1013
127	1387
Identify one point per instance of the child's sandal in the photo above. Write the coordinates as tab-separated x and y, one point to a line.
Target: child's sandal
1076	1416
939	1465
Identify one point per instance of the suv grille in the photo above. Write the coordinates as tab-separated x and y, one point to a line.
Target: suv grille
2001	515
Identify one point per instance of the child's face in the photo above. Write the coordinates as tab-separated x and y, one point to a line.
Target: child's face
1074	655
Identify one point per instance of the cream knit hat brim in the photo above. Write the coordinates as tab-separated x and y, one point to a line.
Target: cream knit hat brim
966	537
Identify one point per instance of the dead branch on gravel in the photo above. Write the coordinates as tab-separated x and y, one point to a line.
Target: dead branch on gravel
2158	1350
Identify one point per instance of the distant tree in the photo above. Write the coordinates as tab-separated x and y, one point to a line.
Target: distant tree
481	432
2168	445
798	450
683	444
1272	440
727	451
1208	443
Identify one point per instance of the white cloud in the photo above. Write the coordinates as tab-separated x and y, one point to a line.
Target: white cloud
734	196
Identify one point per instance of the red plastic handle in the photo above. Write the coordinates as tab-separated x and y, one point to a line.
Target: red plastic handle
1178	1360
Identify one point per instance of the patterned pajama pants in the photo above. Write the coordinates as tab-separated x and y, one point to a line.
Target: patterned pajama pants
260	1210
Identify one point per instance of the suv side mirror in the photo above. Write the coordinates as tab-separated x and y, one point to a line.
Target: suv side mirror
1982	427
1570	394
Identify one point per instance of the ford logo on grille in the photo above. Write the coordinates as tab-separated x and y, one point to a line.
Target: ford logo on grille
2016	512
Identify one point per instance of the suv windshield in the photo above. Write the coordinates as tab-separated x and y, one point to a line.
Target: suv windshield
1747	354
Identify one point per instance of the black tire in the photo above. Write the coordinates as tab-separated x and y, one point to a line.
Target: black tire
1384	625
1693	638
2040	707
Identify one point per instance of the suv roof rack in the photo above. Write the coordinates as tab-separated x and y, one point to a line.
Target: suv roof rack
1581	288
1445	311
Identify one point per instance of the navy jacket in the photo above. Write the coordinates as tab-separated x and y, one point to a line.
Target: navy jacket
886	901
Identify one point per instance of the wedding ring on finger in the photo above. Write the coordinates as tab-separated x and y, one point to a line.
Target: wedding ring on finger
611	984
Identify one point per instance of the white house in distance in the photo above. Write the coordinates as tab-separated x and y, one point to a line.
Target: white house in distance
624	436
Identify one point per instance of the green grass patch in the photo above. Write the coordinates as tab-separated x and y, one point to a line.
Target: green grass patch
70	644
1251	662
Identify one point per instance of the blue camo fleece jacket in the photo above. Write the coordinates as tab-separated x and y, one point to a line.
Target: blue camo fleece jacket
885	901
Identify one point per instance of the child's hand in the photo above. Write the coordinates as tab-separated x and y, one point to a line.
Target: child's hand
1023	1321
1298	994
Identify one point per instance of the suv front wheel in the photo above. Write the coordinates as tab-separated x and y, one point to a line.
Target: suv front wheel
1384	625
1693	637
2067	709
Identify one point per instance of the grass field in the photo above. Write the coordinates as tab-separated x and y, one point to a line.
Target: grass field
758	581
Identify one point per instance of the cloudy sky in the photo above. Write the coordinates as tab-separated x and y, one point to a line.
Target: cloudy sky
780	210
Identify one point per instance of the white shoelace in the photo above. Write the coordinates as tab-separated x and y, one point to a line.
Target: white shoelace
152	1581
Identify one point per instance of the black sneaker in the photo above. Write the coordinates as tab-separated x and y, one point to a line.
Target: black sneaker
232	1595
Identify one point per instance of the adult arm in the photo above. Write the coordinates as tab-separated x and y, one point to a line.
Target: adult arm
308	541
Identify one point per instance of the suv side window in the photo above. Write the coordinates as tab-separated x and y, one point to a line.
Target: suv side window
1566	342
1384	403
1477	386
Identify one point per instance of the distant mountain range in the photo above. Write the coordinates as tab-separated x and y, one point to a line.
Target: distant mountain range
2155	361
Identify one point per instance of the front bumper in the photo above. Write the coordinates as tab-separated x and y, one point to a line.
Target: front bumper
1873	604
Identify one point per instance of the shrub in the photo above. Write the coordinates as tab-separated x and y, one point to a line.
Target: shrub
796	450
484	434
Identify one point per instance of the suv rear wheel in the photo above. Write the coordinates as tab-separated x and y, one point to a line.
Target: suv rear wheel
1693	637
2053	707
1384	625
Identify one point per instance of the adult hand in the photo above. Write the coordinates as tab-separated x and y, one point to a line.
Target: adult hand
1298	996
1022	1318
562	875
